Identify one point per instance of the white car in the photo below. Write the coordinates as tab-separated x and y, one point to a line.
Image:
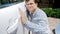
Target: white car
10	19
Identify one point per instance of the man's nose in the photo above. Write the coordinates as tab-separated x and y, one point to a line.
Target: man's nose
29	5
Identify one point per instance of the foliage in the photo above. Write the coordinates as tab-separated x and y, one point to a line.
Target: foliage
52	12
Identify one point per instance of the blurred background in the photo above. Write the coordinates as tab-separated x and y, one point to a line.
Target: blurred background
50	7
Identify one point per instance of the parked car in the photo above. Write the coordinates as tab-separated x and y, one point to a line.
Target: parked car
10	19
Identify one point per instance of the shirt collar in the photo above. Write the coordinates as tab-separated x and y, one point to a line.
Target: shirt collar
34	12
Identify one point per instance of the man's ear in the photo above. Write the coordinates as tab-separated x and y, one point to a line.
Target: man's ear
36	4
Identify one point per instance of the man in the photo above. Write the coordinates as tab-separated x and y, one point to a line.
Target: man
37	21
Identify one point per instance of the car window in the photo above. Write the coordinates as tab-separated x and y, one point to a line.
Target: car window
6	3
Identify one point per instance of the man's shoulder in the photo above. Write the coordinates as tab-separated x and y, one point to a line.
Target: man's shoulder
41	14
40	11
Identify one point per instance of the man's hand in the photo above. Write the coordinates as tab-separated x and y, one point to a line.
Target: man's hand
23	16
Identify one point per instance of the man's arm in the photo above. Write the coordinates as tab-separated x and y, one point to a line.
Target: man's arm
40	26
41	20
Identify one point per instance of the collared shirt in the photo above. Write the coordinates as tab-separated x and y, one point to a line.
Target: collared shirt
38	22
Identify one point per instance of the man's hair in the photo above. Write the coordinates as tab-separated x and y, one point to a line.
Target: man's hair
36	1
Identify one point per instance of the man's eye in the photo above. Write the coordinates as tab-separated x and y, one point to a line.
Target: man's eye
31	3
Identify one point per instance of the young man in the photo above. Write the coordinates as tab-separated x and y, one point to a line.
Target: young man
37	21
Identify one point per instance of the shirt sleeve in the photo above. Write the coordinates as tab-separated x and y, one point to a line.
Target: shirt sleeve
40	26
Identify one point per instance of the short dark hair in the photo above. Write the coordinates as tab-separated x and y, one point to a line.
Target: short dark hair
36	1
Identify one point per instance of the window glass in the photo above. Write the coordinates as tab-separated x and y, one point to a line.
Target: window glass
6	3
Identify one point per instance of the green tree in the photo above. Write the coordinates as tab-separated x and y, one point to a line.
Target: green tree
0	2
4	1
39	1
19	0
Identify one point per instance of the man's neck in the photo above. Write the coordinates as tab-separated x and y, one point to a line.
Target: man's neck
33	11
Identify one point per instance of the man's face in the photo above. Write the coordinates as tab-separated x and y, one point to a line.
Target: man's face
31	5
